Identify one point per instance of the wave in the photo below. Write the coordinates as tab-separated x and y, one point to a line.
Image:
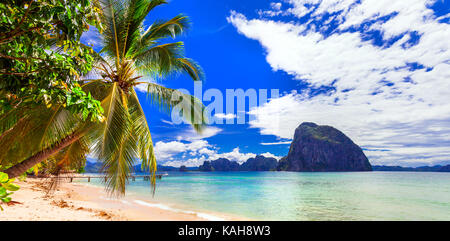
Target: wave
206	216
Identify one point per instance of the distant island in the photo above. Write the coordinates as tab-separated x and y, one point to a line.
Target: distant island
437	168
315	148
95	167
323	149
259	163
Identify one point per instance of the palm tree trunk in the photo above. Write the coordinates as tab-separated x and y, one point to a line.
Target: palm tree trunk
22	167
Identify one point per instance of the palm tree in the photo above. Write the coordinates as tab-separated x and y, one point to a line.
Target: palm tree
129	53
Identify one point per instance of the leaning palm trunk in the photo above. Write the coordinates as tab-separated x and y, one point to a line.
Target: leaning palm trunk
43	155
128	55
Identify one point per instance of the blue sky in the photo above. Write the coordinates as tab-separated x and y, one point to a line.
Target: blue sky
377	70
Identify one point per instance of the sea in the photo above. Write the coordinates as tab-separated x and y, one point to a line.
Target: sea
300	196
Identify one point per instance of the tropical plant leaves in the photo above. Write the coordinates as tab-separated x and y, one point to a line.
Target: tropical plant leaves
123	137
6	185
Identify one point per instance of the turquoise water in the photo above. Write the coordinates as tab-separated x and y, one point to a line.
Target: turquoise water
305	196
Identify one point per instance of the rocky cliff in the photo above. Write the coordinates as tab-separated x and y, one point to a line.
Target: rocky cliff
259	163
323	148
206	167
183	169
219	165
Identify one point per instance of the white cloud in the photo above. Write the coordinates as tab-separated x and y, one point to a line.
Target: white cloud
276	6
275	143
167	150
190	154
192	162
378	100
268	154
225	116
206	151
275	10
235	155
191	134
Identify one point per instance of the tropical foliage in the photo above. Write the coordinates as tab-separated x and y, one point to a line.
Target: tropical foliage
31	71
131	55
131	52
5	186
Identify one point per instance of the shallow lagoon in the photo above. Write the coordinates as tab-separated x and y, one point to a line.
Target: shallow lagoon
305	196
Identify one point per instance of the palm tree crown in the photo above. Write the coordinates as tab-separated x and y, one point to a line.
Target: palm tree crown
129	53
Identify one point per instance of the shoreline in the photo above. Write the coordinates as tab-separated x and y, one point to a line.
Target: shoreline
84	202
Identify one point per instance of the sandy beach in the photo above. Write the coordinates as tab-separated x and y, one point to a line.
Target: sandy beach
80	202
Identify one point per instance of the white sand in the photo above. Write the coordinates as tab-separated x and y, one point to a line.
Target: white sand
76	202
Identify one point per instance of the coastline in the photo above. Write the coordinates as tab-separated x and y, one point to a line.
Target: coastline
84	202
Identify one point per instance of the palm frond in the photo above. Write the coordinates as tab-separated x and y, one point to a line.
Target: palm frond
39	128
134	16
143	137
112	20
159	60
60	124
190	67
124	136
168	100
119	164
165	29
98	88
113	142
71	157
9	147
9	120
98	58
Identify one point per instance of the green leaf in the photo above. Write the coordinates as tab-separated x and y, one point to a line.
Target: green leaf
11	187
2	192
6	199
3	177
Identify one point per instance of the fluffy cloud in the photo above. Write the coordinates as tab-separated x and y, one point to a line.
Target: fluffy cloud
378	70
191	134
268	154
276	143
191	162
225	116
167	150
274	11
177	153
235	155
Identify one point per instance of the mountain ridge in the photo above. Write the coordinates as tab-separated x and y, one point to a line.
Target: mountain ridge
94	167
321	148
